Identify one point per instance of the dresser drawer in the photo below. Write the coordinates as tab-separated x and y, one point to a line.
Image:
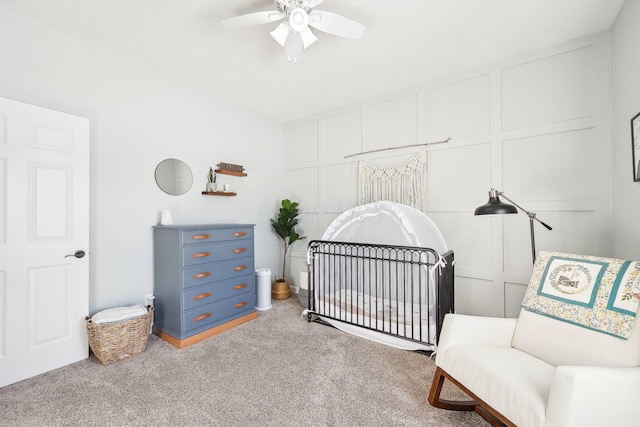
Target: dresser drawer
194	237
195	297
203	254
202	274
216	311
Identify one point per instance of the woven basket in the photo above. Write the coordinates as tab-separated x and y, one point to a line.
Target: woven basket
115	341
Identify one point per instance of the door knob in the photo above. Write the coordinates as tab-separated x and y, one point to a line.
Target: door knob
77	254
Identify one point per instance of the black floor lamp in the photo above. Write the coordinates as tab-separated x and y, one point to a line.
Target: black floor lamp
495	207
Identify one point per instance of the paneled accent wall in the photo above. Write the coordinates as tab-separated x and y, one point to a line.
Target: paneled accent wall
536	127
3	313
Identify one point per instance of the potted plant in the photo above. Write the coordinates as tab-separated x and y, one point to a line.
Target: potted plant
285	226
211	180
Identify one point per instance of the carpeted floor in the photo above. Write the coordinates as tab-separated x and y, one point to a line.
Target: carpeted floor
277	370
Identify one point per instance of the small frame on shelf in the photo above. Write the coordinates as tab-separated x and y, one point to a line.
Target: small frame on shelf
230	169
635	146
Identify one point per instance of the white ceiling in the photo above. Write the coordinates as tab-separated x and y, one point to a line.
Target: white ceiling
406	43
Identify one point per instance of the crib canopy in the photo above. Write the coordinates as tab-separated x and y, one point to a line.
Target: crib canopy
386	223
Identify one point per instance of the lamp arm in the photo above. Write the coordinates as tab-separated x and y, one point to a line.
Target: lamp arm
531	215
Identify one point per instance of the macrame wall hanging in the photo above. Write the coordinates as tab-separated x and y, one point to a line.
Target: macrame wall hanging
404	182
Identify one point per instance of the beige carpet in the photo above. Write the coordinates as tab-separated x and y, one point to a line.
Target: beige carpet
277	370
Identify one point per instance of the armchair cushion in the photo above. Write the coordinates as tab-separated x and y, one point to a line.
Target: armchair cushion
561	343
509	380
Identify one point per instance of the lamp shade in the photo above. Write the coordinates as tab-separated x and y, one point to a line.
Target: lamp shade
280	33
495	206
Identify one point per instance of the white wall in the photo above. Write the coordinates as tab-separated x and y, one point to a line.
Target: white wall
536	127
138	118
625	102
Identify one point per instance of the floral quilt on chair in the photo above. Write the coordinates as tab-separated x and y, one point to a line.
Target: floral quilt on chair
593	292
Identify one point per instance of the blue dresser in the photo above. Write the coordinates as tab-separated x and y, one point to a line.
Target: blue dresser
204	280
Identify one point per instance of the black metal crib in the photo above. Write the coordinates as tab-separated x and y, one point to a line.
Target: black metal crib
400	291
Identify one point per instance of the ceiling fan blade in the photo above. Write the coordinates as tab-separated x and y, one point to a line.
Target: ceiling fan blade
251	19
308	38
333	23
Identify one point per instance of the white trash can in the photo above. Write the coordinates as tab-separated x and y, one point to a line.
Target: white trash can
263	289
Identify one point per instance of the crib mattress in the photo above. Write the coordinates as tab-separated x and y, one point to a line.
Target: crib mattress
401	318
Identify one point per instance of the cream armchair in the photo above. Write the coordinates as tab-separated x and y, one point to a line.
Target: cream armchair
539	371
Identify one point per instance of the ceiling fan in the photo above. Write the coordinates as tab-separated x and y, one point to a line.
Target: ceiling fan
297	16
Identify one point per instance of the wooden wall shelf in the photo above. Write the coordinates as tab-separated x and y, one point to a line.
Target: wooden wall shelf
224	193
234	173
219	193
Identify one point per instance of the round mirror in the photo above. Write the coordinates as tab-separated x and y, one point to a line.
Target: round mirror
173	176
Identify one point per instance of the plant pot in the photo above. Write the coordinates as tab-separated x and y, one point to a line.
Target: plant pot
211	187
280	289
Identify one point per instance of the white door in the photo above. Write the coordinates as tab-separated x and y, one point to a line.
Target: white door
44	216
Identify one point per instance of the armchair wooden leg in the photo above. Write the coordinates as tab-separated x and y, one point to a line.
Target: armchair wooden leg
489	417
493	417
453	405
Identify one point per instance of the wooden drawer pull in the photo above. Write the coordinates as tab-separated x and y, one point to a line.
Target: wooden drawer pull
240	250
240	234
201	275
244	285
240	268
202	317
240	304
202	254
201	236
202	296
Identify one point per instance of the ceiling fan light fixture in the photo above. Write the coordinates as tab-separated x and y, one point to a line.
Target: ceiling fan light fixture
294	32
308	38
298	19
280	33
